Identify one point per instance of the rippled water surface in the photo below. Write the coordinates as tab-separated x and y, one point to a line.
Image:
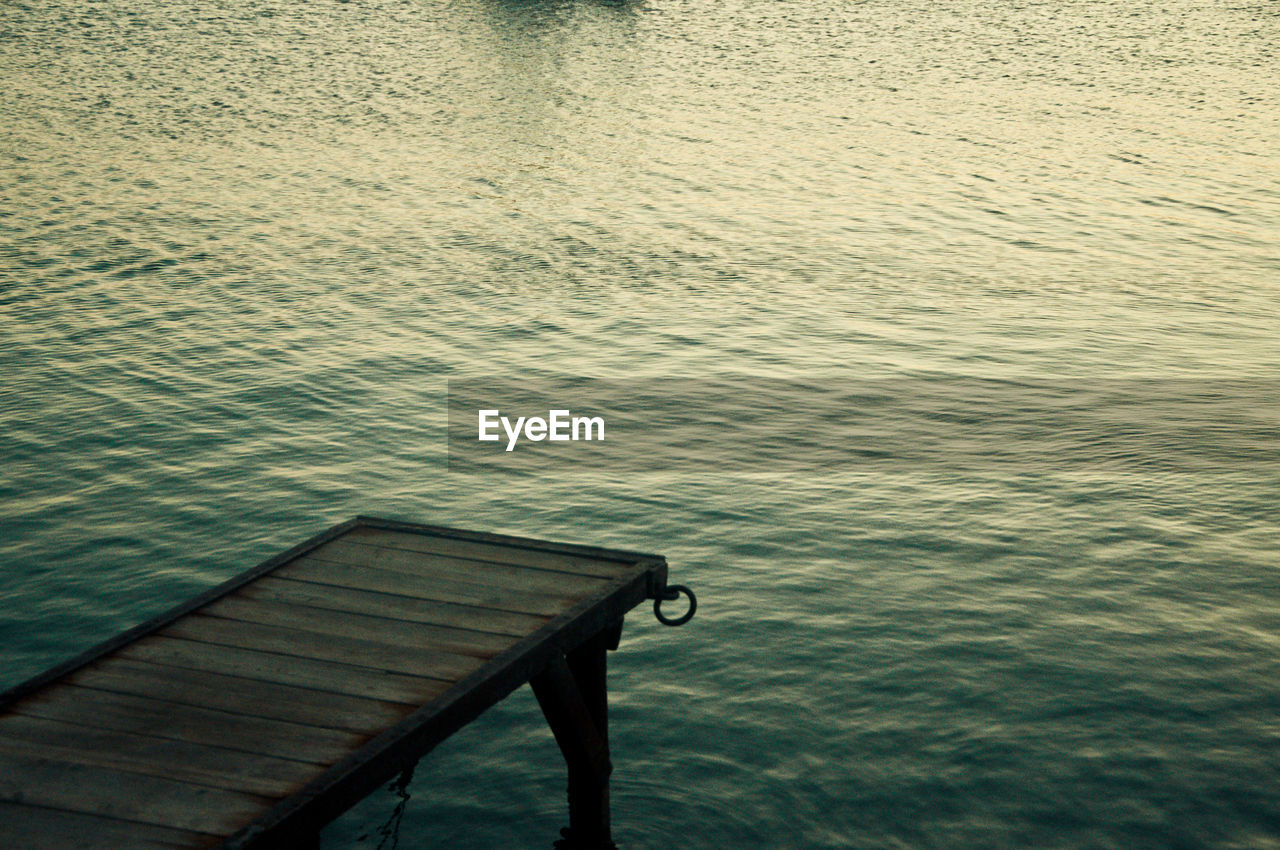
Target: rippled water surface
244	245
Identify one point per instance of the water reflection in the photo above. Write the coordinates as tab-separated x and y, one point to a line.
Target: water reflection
246	244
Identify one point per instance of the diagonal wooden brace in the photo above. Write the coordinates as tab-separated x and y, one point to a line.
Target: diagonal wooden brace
570	719
574	697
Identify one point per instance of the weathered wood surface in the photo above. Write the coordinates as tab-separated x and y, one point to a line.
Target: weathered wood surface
251	715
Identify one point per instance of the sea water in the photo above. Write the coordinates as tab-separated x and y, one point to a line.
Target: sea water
1030	250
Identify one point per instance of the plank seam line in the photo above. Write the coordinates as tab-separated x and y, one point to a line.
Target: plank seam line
261	799
546	617
161	701
602	553
416	651
410	623
78	724
48	808
287	685
110	690
381	670
230	618
277	681
455	580
89	725
622	565
220	782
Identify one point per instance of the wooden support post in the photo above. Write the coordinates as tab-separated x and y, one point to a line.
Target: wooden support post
574	698
588	798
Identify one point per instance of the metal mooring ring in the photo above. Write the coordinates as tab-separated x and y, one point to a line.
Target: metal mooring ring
673	591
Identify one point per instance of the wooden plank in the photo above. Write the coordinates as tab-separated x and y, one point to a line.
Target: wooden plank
577	549
27	827
286	669
344	551
253	697
161	719
425	587
600	553
503	554
414	636
408	609
361	652
200	764
125	796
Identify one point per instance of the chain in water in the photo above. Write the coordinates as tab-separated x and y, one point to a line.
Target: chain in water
389	832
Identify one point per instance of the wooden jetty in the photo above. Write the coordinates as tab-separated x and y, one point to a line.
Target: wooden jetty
255	713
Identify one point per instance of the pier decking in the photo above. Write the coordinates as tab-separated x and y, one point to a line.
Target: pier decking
257	712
